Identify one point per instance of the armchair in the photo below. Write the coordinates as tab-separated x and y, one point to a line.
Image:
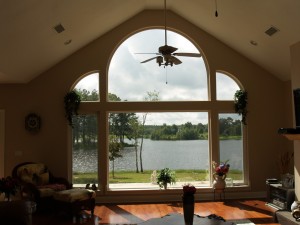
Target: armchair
38	183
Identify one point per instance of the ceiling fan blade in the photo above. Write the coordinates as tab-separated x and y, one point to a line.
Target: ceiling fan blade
149	59
175	60
187	54
148	53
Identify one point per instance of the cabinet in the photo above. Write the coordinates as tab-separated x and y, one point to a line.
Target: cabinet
280	197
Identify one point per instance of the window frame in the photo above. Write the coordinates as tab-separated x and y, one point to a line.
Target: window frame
213	106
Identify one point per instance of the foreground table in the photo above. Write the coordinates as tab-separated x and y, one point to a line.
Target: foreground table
177	219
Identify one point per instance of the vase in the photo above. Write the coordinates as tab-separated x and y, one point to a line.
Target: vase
295	205
188	204
165	186
219	181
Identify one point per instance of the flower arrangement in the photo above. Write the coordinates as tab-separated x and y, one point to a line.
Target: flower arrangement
164	177
188	189
222	168
8	186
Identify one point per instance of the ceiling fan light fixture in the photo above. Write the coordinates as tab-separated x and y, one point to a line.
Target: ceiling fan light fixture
159	60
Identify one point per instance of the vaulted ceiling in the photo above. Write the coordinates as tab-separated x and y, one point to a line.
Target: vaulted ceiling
29	44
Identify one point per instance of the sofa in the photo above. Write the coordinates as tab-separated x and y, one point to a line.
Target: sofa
38	184
284	217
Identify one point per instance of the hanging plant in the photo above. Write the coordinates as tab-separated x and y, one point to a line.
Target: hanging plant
240	104
72	101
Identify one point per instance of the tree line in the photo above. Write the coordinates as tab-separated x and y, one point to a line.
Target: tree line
130	126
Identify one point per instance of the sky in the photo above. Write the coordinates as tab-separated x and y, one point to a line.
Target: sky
131	80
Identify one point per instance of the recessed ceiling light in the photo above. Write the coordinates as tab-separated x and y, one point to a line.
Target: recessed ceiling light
253	43
67	42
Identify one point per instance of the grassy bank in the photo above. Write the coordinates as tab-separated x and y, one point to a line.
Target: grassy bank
133	177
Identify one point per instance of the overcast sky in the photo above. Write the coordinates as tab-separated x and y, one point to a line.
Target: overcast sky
131	80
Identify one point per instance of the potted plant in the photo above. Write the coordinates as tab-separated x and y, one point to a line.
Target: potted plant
240	104
164	177
72	101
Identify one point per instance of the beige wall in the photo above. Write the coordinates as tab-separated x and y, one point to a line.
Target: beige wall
295	71
44	96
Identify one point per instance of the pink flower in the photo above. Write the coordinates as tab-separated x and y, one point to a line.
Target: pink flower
8	185
189	189
222	168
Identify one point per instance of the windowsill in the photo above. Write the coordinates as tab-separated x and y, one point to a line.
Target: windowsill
201	186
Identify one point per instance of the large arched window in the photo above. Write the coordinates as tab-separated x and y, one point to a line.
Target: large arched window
130	79
148	124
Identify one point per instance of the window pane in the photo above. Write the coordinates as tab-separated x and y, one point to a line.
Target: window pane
130	79
226	87
178	141
88	88
85	149
231	145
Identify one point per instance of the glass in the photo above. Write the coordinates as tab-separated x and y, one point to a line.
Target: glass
127	76
226	87
229	182
231	145
177	140
88	88
85	149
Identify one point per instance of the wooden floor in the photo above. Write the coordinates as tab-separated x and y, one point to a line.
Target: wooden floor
254	210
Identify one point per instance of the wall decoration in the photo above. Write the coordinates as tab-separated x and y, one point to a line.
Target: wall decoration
33	122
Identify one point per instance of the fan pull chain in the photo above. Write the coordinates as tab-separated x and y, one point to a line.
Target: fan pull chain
165	22
166	75
216	13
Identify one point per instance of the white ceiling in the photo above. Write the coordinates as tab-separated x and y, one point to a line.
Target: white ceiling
29	45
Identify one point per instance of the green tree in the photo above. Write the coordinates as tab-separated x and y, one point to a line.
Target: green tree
134	123
86	95
113	98
119	122
120	126
151	96
114	151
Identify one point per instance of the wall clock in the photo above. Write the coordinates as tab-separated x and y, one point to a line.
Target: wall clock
33	122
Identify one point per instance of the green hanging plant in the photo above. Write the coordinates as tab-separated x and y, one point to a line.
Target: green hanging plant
240	104
72	101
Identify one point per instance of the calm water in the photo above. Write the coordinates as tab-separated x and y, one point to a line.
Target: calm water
161	154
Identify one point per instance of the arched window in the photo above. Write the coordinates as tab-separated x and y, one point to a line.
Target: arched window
130	80
85	134
88	87
148	124
226	87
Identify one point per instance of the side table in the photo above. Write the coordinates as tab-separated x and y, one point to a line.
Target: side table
280	197
220	192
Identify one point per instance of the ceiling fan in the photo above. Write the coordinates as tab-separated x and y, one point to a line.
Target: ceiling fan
166	53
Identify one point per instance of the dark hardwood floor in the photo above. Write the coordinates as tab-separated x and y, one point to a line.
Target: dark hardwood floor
254	210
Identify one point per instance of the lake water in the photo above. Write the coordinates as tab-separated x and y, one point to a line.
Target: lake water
160	154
